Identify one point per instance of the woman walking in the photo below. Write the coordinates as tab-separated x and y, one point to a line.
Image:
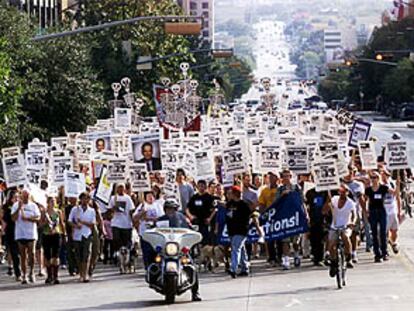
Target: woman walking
53	231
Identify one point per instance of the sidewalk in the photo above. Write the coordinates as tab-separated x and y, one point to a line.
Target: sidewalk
407	239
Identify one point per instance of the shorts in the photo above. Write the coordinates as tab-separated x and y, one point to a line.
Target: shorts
334	235
25	242
51	246
357	228
392	222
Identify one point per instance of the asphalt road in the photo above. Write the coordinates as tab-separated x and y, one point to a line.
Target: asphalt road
385	286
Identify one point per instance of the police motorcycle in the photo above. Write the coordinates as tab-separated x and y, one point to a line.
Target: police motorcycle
173	271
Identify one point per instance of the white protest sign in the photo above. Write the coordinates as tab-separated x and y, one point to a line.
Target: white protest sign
204	165
396	155
297	159
60	143
74	184
59	166
83	150
14	171
360	131
233	158
169	157
34	175
117	170
326	175
139	177
122	118
270	157
368	155
36	159
328	147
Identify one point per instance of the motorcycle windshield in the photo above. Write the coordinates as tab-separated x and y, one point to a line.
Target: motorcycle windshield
183	237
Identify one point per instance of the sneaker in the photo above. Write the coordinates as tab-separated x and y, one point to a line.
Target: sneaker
349	265
377	259
296	262
196	297
32	278
63	267
385	257
56	282
10	271
395	248
24	280
232	274
18	278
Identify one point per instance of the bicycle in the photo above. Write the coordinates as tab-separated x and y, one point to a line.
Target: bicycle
340	258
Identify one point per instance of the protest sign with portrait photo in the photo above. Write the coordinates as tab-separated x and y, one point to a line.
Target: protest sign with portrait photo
36	159
146	149
58	167
233	158
34	175
103	191
10	152
101	140
328	147
204	165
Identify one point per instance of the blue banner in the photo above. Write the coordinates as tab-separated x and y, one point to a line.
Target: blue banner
223	236
284	218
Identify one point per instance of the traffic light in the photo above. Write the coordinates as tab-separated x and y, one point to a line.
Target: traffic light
383	56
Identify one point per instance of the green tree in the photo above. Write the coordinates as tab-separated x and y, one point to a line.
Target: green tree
336	85
398	84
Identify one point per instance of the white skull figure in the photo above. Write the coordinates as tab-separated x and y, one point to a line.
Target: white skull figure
138	104
175	88
126	83
194	85
116	87
165	81
184	68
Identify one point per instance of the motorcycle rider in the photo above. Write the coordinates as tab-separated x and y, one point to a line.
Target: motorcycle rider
176	219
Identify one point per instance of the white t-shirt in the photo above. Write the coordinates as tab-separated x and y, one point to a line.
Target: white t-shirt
341	216
26	230
78	214
390	201
153	210
122	206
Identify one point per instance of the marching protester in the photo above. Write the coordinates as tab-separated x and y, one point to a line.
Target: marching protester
377	215
186	190
237	219
144	218
26	215
392	204
82	218
53	232
9	235
266	198
201	211
121	223
70	243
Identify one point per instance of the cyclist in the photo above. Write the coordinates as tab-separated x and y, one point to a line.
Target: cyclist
343	216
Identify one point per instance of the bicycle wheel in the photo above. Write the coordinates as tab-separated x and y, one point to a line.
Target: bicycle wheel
343	267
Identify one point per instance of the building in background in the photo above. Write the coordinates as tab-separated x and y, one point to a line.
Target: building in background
333	45
47	13
203	8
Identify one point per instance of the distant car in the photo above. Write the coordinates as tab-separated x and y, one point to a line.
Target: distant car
295	105
319	106
301	92
407	111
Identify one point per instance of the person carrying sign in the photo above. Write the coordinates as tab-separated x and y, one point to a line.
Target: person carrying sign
266	198
285	189
343	213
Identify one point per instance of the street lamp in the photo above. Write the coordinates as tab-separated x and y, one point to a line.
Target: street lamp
189	29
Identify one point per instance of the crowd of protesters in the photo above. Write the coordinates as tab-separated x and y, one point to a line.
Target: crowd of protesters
40	240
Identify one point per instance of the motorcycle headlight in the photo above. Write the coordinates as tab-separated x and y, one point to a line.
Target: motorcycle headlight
171	249
171	266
